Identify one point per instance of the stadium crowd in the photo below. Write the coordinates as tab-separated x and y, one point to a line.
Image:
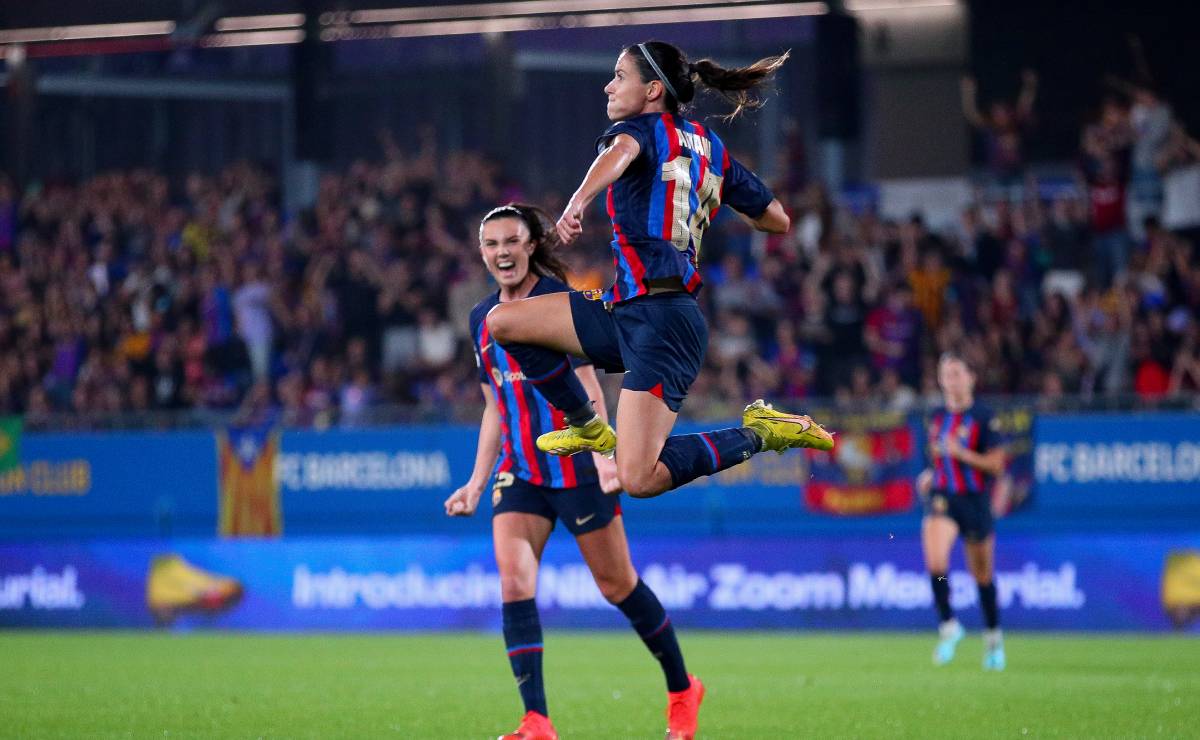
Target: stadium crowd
123	294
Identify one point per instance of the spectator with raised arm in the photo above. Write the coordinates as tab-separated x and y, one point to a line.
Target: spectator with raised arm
1004	127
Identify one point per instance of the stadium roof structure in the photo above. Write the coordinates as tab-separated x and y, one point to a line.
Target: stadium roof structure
79	27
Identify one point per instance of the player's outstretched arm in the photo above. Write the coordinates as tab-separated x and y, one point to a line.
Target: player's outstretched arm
745	193
464	501
774	220
606	468
605	170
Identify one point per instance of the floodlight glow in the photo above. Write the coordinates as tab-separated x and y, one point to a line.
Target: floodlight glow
253	38
94	31
259	22
494	11
599	20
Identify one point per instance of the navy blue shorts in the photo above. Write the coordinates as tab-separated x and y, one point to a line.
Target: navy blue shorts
582	509
971	512
658	341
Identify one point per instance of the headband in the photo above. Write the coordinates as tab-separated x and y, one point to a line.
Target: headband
505	209
658	71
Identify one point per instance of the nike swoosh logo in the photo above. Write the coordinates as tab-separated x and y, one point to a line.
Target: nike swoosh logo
580	521
794	420
523	679
486	347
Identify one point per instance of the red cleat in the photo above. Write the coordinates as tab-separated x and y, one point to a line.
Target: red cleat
534	726
682	708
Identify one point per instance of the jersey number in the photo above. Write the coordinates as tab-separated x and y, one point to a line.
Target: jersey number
689	225
504	479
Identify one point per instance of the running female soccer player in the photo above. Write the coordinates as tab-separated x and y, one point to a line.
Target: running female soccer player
964	457
665	177
532	489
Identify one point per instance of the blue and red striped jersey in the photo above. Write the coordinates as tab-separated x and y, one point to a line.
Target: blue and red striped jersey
662	204
524	413
973	429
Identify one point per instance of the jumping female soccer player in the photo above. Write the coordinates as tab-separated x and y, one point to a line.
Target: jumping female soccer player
532	489
665	176
964	457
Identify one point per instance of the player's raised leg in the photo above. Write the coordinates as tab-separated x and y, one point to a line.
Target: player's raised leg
648	423
519	540
606	552
938	533
651	461
539	333
980	560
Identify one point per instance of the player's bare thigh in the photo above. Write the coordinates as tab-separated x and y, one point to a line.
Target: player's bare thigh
519	540
643	424
606	552
938	533
543	320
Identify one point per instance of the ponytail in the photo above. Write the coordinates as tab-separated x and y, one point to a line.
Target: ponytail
739	85
543	260
658	60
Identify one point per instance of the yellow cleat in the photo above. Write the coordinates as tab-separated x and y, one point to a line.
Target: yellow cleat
595	436
779	430
175	586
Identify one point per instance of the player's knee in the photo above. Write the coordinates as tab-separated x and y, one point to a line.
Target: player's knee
639	490
640	484
501	324
615	587
517	586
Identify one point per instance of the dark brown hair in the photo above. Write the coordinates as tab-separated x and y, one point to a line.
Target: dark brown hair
543	261
952	356
737	85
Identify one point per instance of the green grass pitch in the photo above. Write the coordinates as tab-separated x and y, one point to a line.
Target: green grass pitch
600	685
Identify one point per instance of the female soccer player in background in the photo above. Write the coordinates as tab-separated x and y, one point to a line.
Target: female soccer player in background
532	489
664	176
964	456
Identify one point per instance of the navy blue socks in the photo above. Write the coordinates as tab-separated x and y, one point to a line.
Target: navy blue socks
941	595
650	620
523	638
987	602
689	456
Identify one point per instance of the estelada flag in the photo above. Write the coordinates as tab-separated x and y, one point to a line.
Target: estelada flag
869	471
248	488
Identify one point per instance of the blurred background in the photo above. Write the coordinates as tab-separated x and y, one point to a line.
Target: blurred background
238	253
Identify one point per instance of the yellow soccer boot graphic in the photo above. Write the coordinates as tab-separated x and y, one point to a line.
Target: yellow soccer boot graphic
175	586
1181	587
